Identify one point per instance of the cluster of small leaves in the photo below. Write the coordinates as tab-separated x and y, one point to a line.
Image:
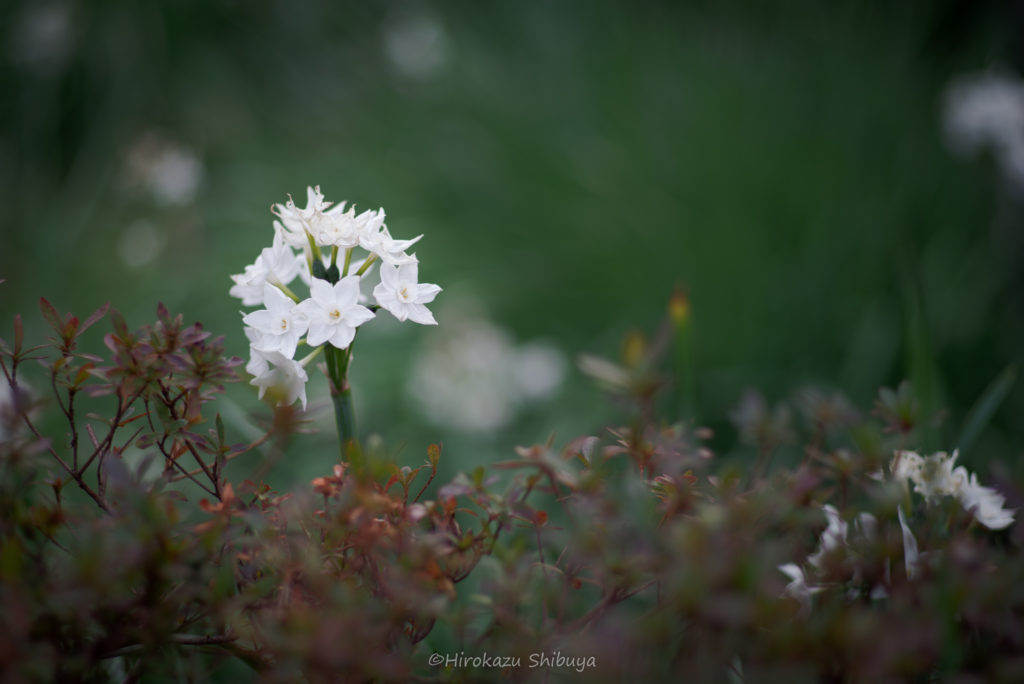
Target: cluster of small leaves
631	554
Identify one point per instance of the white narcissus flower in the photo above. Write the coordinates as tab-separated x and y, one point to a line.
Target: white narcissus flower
298	221
400	293
832	538
798	587
333	312
275	264
257	364
345	230
377	240
906	465
249	284
281	262
280	325
281	375
911	556
934	478
985	503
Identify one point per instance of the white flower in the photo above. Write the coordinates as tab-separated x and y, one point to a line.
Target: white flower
798	587
985	503
906	464
986	110
345	229
257	364
249	285
911	557
377	240
333	312
285	378
400	293
297	222
276	264
933	476
280	325
832	538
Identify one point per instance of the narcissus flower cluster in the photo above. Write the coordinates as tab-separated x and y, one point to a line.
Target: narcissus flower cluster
934	477
318	245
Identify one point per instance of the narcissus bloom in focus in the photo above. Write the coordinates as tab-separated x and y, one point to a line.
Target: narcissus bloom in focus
333	312
400	293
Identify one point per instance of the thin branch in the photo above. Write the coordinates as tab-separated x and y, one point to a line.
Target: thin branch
186	474
177	640
64	464
610	599
230	457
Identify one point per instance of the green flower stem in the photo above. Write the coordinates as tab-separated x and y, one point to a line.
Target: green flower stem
334	255
317	254
348	260
366	264
284	288
344	414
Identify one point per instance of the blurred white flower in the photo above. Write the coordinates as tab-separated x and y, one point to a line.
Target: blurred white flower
911	556
906	465
832	538
934	477
798	587
42	37
985	503
474	378
539	369
284	378
10	419
416	44
986	110
140	243
170	172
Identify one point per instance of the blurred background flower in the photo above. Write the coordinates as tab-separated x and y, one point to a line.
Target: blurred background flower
794	168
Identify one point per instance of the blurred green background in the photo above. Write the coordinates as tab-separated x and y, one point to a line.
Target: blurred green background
569	163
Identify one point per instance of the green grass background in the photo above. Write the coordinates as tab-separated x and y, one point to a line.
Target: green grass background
570	164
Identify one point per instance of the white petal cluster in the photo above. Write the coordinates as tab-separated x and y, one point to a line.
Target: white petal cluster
476	378
935	476
309	243
985	111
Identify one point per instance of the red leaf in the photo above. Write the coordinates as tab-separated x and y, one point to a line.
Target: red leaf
96	315
50	314
70	331
120	327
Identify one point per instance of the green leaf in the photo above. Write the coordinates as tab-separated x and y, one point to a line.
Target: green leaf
220	430
981	413
434	454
